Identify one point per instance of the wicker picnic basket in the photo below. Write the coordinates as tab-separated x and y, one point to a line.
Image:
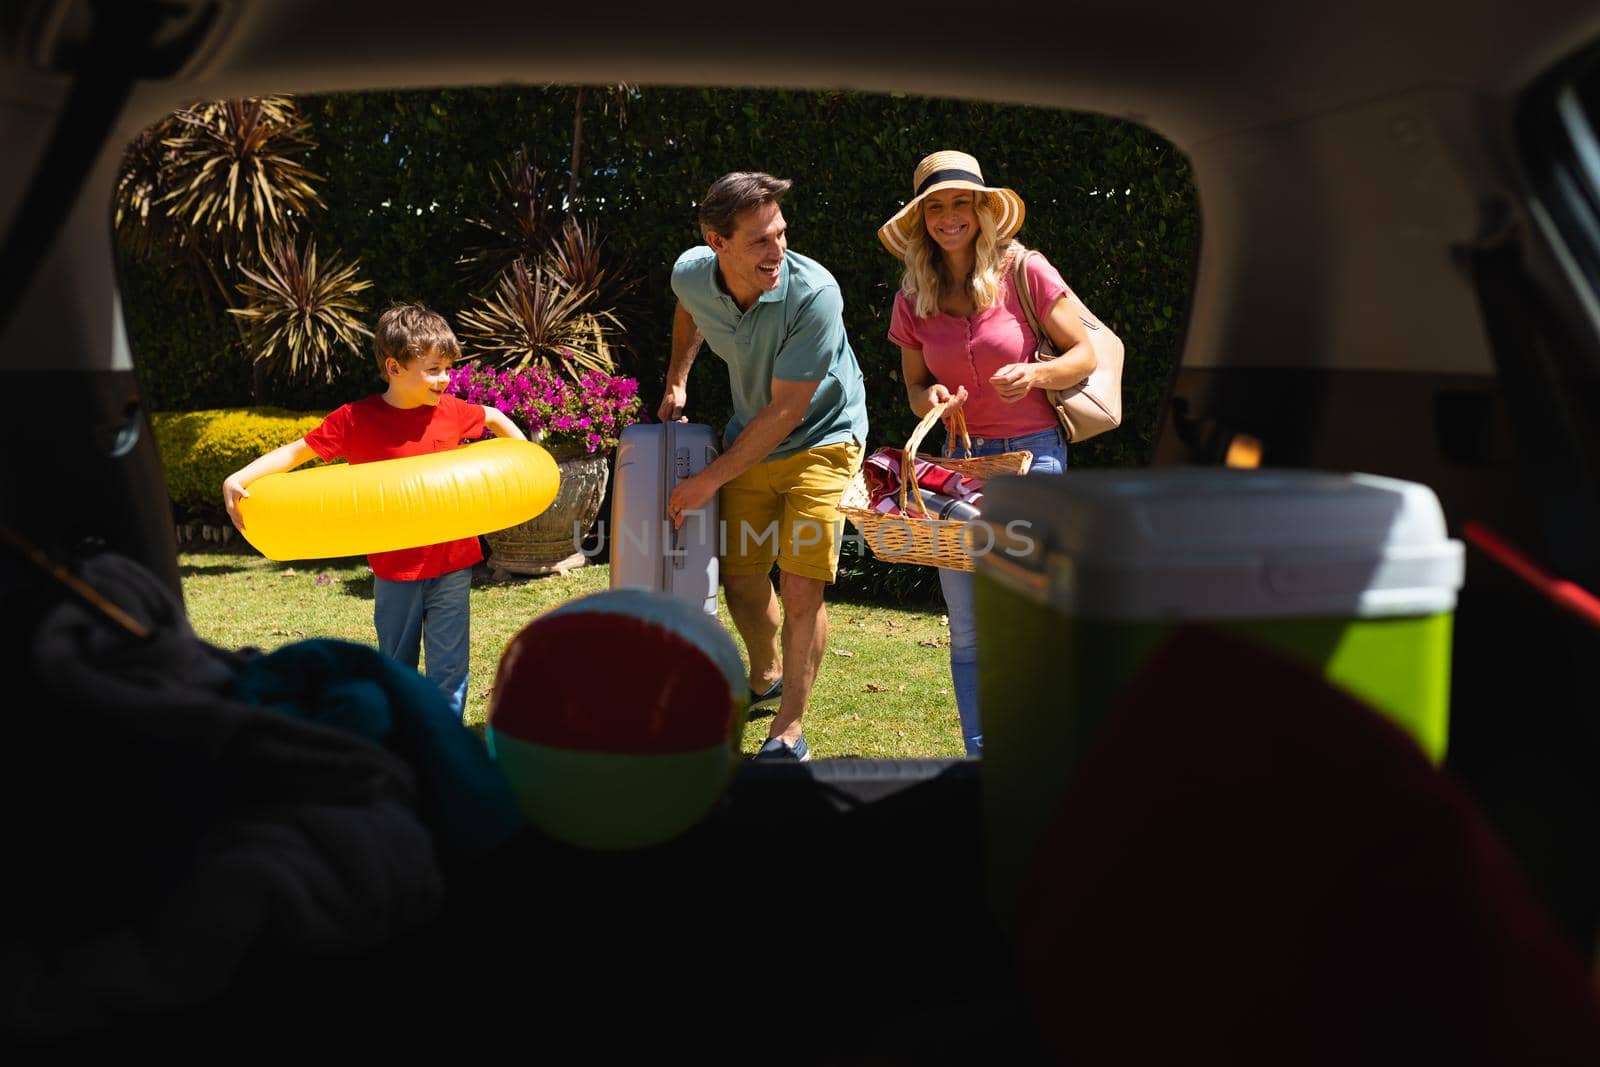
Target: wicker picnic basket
925	540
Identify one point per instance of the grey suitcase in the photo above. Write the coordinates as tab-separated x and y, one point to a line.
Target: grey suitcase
646	552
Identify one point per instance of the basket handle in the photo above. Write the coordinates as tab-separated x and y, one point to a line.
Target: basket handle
908	455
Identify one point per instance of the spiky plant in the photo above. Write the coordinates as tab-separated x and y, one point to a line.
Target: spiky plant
234	183
578	257
519	226
532	316
143	228
302	318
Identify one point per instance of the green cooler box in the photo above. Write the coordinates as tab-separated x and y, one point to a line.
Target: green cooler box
1086	573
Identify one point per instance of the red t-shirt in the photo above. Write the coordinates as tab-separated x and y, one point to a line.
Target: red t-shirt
372	429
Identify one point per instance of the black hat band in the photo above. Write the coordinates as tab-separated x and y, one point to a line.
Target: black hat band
948	176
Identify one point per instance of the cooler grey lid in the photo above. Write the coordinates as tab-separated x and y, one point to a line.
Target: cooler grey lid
1206	542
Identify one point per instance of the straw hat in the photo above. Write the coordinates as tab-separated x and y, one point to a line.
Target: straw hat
949	170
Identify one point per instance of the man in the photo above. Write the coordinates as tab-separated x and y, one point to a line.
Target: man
794	442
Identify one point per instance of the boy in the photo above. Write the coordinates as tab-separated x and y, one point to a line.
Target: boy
420	595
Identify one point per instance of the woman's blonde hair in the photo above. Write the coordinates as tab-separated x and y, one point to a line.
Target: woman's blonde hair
923	257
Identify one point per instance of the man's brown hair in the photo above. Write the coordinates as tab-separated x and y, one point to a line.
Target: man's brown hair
733	194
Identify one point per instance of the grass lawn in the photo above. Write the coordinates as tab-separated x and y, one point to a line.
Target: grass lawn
884	688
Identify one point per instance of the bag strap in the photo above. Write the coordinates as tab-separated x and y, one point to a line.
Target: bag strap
1025	298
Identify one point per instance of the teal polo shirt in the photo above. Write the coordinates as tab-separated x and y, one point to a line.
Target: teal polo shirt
794	333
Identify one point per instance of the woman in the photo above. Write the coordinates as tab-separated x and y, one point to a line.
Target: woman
964	338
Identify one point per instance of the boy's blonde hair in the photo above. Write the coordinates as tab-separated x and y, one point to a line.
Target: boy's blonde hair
407	331
923	257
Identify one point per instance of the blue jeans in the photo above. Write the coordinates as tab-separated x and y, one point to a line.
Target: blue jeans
431	612
1049	450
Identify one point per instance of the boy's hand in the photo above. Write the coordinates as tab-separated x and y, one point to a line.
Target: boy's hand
283	458
232	493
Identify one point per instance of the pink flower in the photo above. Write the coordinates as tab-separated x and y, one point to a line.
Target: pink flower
591	412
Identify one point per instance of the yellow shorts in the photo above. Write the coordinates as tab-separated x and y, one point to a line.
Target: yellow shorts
788	510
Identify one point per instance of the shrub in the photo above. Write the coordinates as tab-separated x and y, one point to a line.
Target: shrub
863	576
201	448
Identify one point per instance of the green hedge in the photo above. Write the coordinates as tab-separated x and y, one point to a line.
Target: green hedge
1112	205
201	448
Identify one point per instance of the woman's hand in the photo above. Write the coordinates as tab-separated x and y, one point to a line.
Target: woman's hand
1012	382
939	394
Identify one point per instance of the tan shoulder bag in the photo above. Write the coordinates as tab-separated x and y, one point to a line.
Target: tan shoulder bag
1094	405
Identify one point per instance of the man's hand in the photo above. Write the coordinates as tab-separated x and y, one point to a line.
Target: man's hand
686	341
692	494
673	401
1013	381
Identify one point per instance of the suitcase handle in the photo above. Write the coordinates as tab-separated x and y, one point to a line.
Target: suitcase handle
679	460
673	469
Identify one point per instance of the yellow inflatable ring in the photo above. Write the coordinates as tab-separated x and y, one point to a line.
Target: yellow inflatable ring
353	510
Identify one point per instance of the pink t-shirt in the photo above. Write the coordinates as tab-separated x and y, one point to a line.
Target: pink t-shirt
967	351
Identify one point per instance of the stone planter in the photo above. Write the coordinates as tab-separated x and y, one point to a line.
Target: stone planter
548	542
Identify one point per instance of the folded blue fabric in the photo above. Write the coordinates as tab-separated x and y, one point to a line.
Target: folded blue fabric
463	797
